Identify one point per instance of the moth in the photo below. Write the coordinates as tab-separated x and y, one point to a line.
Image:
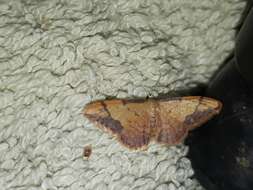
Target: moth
135	123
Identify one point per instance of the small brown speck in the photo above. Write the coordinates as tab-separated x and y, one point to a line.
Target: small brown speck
87	151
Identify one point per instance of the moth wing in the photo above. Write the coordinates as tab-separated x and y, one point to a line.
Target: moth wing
171	131
128	120
178	116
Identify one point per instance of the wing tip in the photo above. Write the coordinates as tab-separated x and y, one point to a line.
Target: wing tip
212	103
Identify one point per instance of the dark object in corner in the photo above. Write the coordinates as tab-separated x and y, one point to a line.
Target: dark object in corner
222	151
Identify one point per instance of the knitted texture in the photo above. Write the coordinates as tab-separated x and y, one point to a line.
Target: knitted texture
58	55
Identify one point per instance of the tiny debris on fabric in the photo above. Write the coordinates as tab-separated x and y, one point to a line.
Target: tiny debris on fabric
166	121
87	151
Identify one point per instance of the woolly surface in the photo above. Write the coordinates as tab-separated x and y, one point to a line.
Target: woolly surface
56	56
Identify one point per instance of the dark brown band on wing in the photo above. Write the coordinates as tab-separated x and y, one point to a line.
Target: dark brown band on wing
108	122
105	108
198	116
134	141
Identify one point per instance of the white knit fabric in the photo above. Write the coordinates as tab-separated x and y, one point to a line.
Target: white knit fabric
58	55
